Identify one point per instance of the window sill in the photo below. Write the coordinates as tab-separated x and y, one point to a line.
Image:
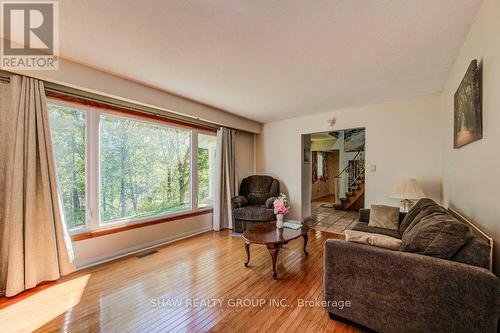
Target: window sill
121	228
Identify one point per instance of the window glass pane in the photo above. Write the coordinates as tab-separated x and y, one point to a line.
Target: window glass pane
319	165
144	169
206	168
67	127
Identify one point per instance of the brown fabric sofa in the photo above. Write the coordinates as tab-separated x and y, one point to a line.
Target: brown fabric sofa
254	204
451	290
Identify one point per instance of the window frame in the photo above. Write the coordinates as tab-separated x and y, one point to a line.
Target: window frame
195	151
320	166
93	219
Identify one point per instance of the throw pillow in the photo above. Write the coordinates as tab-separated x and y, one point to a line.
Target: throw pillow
386	217
439	235
415	214
239	201
257	198
476	253
368	238
270	202
425	213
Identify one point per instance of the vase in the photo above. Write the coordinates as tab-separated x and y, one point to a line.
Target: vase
279	220
279	233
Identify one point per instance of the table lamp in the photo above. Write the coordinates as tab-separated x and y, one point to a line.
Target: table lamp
407	190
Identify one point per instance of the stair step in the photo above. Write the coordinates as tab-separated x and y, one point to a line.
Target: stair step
354	187
349	194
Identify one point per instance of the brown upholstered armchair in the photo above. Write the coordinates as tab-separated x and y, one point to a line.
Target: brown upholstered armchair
254	204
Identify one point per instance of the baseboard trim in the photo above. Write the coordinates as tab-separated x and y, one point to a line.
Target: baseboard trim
135	250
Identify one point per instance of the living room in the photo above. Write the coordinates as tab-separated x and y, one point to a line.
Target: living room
158	164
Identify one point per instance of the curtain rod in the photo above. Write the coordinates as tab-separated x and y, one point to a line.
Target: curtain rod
73	92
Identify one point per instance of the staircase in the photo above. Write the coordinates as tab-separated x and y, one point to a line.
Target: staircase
352	179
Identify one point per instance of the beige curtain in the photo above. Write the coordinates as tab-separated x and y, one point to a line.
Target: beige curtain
225	179
35	245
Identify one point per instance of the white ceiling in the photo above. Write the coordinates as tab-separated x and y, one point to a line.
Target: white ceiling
322	137
268	60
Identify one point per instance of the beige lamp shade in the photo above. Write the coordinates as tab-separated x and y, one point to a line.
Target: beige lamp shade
407	189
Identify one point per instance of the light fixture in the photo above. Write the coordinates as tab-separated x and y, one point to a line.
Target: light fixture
407	190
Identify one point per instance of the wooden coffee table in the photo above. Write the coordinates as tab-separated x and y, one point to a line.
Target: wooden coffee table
273	238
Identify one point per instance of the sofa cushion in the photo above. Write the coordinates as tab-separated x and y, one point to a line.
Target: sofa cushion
382	216
419	209
257	189
372	239
475	252
364	215
361	226
425	214
257	198
254	213
239	201
270	202
437	234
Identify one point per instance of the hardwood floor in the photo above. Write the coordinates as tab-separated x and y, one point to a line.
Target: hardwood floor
123	296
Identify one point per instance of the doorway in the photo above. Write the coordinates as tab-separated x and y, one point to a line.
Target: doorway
336	182
325	166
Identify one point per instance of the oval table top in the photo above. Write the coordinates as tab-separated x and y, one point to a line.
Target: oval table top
267	233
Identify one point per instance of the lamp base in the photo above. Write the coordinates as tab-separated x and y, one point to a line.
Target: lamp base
406	205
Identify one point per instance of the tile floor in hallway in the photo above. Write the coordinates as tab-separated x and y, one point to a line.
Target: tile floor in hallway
331	220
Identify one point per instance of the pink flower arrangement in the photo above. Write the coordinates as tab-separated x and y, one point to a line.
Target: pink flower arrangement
281	205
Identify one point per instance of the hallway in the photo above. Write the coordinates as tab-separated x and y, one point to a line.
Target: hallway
331	220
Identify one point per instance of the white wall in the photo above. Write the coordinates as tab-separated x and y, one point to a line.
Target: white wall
403	139
471	174
94	250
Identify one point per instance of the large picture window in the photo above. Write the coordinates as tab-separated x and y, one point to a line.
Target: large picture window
123	169
144	169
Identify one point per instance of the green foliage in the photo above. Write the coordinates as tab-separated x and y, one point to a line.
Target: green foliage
203	174
67	127
144	167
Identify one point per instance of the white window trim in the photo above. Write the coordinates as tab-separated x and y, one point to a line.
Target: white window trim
92	170
193	182
319	166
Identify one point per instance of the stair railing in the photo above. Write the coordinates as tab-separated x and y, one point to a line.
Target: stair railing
358	177
351	173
